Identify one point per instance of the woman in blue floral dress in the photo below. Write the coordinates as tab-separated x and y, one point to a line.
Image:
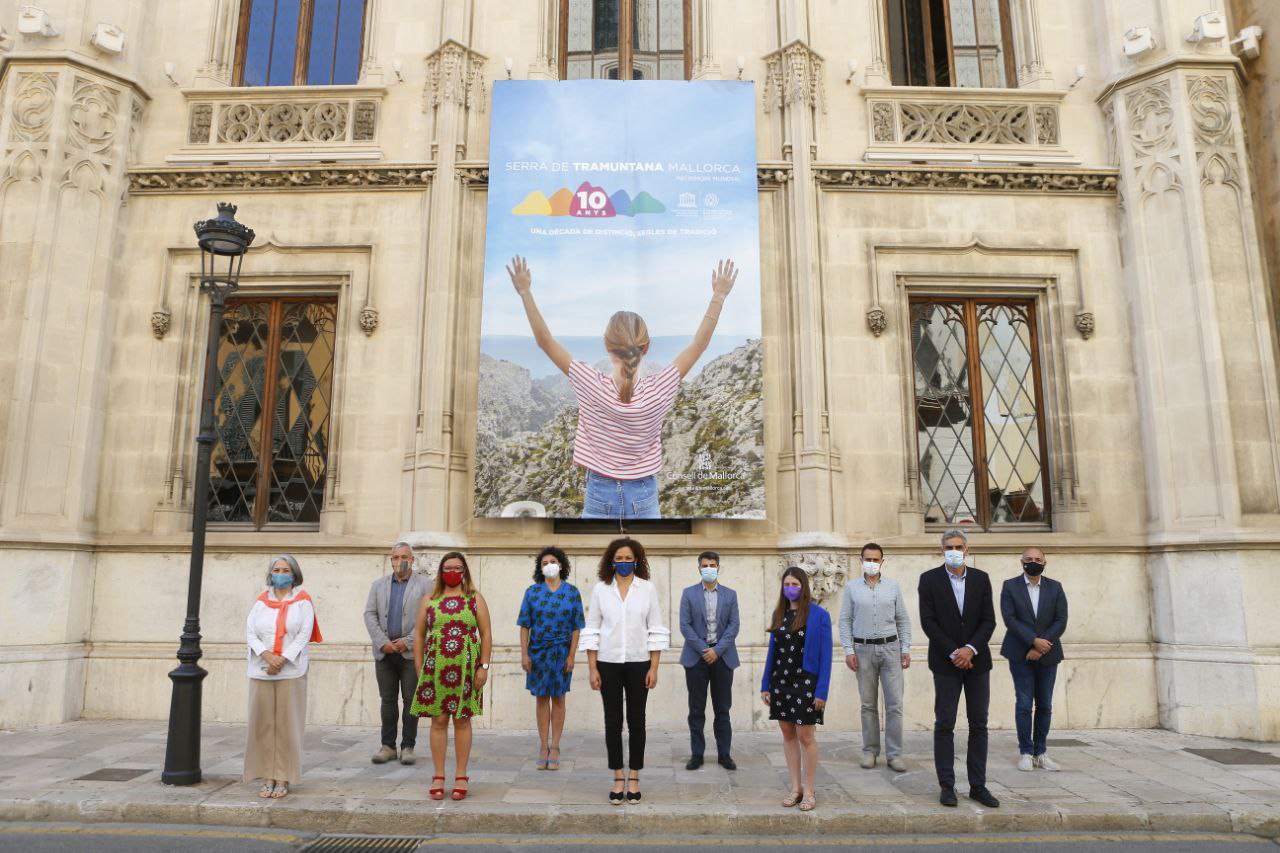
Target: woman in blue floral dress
550	620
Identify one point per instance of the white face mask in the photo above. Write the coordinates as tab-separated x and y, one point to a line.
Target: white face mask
869	568
953	559
551	570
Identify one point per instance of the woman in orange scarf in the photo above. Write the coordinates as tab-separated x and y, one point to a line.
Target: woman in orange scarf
282	622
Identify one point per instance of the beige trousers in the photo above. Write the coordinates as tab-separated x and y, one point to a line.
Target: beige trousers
277	718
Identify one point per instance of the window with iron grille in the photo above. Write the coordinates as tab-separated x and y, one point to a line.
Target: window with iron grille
979	411
275	355
625	39
299	42
950	43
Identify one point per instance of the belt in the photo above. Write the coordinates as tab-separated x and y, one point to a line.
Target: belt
875	641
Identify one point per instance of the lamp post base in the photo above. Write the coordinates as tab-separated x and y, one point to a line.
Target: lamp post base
182	753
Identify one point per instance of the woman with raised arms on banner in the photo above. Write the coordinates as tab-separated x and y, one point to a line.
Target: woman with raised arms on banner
619	436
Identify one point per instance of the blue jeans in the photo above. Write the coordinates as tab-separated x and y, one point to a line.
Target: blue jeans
610	498
1033	683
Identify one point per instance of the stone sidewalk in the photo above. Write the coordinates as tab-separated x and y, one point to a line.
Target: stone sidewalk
1111	780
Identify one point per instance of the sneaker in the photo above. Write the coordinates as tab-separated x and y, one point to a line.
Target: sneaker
1044	762
1026	762
897	765
382	756
406	755
868	760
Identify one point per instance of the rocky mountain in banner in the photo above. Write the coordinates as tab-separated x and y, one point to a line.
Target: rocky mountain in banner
713	442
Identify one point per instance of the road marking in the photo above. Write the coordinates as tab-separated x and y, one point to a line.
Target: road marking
837	841
142	832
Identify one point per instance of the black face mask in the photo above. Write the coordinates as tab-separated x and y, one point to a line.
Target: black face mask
1031	568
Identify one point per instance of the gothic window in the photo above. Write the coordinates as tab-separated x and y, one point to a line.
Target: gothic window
299	42
275	355
979	416
950	43
625	39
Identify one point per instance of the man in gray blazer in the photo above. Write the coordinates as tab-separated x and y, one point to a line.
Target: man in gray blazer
709	623
390	615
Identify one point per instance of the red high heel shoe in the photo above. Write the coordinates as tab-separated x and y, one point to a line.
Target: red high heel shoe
460	793
436	793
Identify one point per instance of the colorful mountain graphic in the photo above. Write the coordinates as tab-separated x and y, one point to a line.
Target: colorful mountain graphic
588	201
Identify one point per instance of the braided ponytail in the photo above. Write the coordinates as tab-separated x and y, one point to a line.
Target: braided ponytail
627	337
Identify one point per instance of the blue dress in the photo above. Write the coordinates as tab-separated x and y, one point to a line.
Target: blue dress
551	618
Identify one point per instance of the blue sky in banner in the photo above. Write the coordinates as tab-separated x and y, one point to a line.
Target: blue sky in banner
548	136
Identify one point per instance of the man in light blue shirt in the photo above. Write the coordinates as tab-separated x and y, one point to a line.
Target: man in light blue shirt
875	631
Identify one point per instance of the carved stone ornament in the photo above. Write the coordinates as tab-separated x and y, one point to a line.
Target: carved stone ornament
455	74
368	319
473	175
160	319
772	176
155	181
826	570
793	75
1069	181
883	122
32	109
94	116
877	322
1085	324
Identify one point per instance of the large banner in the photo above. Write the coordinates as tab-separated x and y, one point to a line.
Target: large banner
620	356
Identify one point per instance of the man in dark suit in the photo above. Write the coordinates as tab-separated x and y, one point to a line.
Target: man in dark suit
957	616
1035	616
709	624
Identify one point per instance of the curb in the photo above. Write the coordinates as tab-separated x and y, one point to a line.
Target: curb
413	818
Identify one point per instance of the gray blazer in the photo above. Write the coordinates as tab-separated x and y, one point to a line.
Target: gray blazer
375	612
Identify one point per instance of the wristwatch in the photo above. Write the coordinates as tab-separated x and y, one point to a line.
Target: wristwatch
484	666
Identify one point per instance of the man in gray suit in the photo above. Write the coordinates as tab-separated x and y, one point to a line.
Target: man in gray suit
709	623
390	615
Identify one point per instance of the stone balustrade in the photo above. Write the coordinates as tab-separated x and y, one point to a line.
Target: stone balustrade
283	119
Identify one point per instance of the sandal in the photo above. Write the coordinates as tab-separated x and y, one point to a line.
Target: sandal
268	786
633	796
436	793
542	758
460	794
281	791
616	797
792	798
808	803
553	763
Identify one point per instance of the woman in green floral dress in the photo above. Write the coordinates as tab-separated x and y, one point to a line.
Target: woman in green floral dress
451	649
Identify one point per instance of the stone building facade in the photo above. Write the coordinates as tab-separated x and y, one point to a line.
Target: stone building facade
1036	304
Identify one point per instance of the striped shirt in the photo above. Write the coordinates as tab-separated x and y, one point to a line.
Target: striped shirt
621	440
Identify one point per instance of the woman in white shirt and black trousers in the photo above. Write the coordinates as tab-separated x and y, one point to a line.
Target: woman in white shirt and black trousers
623	640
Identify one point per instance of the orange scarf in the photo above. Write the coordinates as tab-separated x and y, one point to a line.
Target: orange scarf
283	606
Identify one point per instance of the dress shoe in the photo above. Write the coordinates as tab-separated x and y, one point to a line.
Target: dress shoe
382	756
693	763
897	765
868	760
982	795
1044	762
948	797
1026	762
406	755
728	763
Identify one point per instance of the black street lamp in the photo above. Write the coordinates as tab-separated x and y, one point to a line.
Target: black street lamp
223	243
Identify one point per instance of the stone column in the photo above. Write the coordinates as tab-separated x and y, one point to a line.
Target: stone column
1203	334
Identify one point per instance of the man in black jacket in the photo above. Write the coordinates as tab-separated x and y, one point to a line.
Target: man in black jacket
1034	608
958	617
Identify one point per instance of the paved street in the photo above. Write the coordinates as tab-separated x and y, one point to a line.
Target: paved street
1112	780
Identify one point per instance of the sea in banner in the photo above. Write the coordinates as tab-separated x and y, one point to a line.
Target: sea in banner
621	196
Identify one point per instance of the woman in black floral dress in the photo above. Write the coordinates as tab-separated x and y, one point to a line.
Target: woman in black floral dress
797	673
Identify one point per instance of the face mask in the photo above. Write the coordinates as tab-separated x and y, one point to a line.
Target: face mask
551	570
281	580
792	593
1031	568
402	567
710	573
869	568
452	577
624	569
953	559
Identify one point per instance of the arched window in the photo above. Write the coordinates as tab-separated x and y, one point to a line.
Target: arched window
625	39
951	43
299	42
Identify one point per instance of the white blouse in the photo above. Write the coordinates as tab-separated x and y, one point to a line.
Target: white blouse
625	631
261	634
